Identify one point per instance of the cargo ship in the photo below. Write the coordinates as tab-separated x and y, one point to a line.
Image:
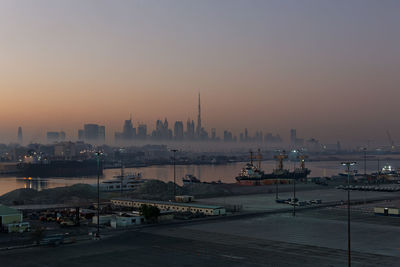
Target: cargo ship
253	175
60	168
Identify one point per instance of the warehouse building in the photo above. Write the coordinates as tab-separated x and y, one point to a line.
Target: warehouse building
170	206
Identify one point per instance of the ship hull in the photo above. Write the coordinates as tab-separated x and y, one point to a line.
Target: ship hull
60	169
273	178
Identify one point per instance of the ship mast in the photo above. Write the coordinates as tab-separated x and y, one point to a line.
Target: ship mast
259	157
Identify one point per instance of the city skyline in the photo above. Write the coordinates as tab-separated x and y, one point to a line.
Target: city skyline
327	69
149	134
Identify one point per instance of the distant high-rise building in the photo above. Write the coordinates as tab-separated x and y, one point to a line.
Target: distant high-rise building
162	132
228	136
259	137
178	130
142	131
127	131
198	131
62	136
102	134
19	137
190	130
293	137
213	133
246	135
81	135
53	137
92	133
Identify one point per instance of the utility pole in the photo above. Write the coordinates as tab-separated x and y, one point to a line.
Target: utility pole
174	151
348	164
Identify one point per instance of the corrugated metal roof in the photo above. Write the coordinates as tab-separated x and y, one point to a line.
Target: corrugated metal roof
169	203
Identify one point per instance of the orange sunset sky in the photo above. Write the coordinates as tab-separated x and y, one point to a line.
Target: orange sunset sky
330	69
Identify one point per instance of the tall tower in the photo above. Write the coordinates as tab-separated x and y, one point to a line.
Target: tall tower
198	132
20	140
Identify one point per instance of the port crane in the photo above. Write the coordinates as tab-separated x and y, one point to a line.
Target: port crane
280	158
302	159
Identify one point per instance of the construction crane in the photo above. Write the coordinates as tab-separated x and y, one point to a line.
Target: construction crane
390	140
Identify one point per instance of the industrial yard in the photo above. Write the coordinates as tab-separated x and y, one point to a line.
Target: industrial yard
261	232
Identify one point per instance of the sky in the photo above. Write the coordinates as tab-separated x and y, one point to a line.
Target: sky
330	69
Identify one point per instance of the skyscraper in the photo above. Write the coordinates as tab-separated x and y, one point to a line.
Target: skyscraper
190	130
178	130
93	133
127	131
213	134
20	140
142	131
198	130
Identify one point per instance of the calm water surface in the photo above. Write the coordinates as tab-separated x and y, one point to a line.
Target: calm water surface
225	173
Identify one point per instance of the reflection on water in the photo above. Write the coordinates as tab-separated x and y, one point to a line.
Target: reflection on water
33	183
207	173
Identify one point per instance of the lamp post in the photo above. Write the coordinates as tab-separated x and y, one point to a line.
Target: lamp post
348	164
98	193
174	151
294	195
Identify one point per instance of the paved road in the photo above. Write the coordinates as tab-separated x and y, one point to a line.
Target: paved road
148	249
273	240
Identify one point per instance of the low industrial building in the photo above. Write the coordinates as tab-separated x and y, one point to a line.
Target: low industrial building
170	206
11	220
388	211
104	219
124	221
9	215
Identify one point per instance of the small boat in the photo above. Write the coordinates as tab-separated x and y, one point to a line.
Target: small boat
133	175
123	182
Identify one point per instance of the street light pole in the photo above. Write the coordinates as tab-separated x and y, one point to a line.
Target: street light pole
294	196
174	150
348	164
98	193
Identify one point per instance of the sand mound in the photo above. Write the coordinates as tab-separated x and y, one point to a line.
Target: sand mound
68	194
